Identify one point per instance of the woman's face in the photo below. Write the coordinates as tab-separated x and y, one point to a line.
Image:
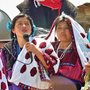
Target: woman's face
22	26
63	32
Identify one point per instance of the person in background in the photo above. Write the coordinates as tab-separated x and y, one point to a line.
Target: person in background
23	24
66	36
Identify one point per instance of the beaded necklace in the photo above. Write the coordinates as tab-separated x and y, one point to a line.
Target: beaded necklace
63	53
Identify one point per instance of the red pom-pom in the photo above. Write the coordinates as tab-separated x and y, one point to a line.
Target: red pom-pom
42	45
23	69
83	35
33	71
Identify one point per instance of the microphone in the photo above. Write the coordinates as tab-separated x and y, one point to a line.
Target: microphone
26	37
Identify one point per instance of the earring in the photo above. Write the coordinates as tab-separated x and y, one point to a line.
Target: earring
14	37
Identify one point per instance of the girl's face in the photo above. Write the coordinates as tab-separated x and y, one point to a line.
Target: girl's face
22	26
63	32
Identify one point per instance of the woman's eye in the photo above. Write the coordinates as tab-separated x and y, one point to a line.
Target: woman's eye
26	23
59	28
19	24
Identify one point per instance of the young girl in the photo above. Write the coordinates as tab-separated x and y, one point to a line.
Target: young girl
25	62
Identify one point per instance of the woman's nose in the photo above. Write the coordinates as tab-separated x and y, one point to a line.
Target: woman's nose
62	30
24	25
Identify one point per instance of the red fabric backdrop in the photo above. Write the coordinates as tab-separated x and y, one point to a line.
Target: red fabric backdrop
54	4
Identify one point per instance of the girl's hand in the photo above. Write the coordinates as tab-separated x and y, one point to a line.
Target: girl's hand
30	47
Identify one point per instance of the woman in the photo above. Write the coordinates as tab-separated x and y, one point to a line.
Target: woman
20	46
3	81
67	37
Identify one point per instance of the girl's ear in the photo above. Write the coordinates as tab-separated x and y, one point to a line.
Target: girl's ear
13	31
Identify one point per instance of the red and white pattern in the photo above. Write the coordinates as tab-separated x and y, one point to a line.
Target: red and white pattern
3	80
33	74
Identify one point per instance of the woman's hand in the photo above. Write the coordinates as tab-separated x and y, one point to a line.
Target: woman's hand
87	67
